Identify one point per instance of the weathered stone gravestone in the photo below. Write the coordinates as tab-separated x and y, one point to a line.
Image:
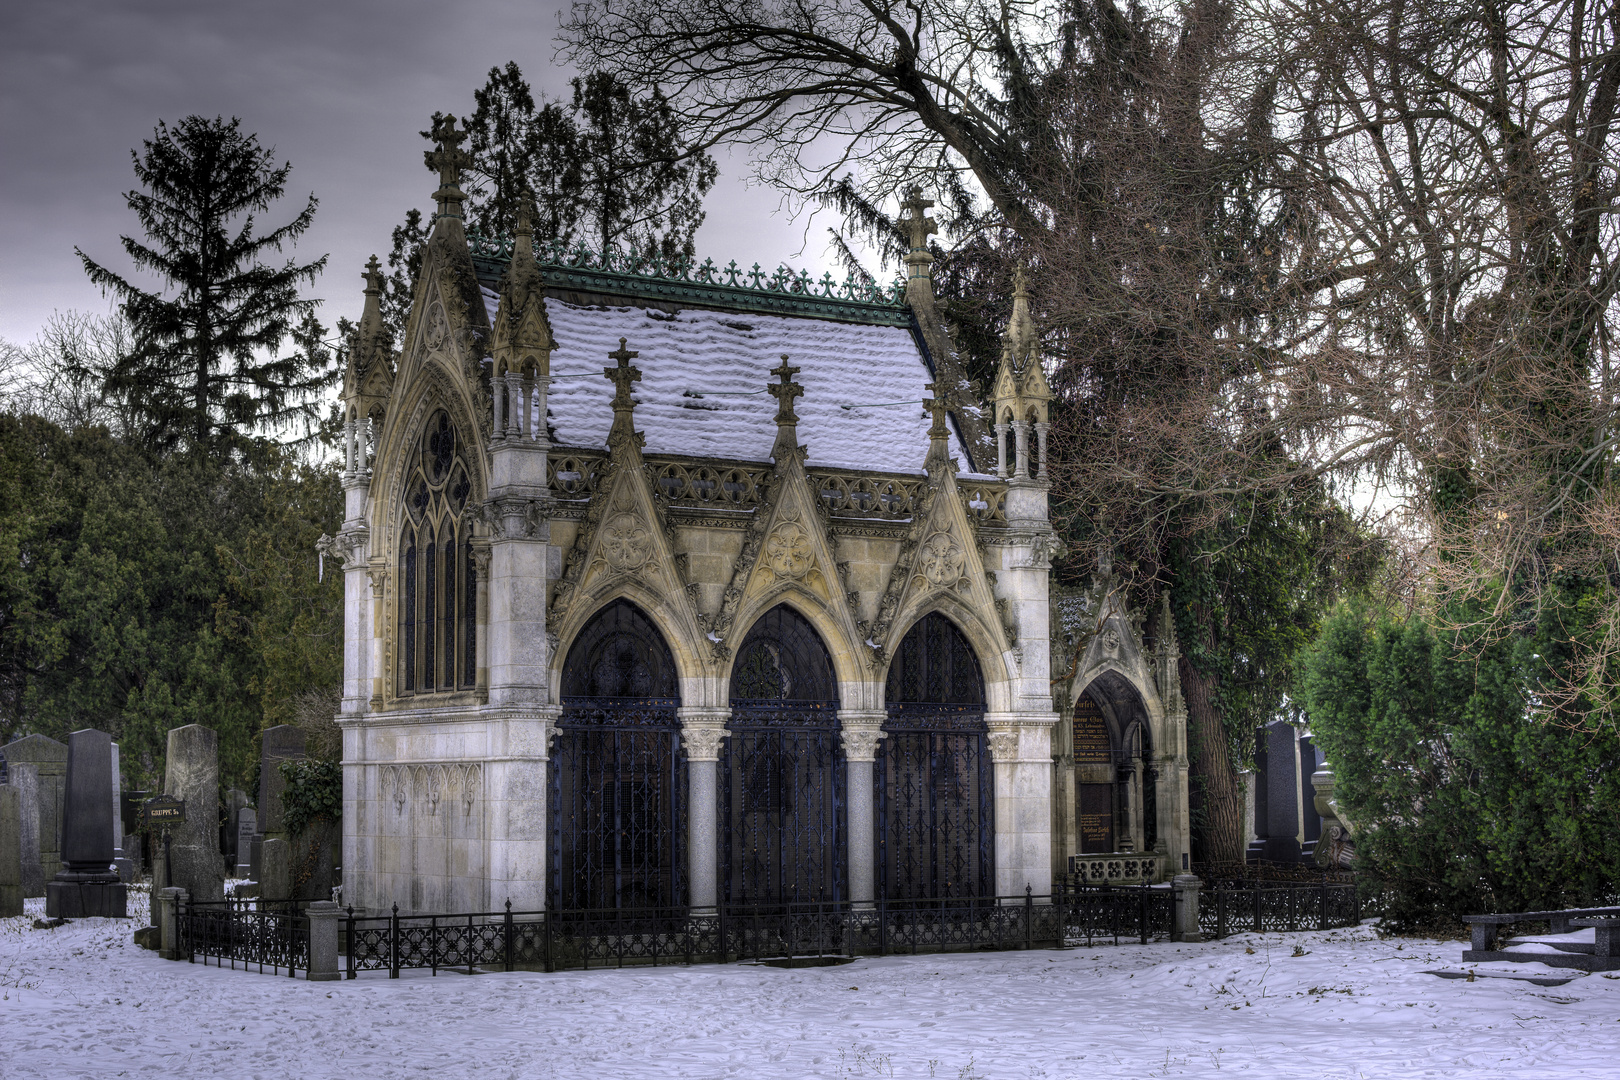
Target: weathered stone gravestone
49	759
229	831
123	866
191	772
86	885
247	823
11	828
281	743
24	779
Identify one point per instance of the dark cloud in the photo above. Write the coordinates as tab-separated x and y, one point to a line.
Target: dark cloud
340	88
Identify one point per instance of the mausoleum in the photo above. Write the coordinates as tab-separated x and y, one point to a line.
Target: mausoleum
672	585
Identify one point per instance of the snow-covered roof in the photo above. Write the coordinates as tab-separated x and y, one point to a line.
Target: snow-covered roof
703	379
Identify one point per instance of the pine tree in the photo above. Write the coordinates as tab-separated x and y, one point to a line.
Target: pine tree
208	367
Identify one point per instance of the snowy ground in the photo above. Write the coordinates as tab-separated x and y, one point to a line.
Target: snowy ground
81	1000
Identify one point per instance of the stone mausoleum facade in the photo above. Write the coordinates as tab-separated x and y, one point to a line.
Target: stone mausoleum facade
681	585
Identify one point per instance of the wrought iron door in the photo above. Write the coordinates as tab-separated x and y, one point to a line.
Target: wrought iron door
618	785
934	781
782	791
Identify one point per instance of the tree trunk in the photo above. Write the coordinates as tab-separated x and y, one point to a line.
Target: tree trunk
1218	829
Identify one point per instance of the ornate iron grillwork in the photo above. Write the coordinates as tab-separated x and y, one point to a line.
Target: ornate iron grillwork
618	787
783	772
935	801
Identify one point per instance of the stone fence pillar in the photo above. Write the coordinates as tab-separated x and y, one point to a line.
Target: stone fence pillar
323	942
702	730
169	902
1185	887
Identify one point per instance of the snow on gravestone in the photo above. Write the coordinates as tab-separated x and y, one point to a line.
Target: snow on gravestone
85	886
192	773
49	759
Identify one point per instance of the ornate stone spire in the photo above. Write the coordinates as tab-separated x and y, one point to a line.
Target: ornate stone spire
787	432
1020	341
448	159
1022	394
368	376
622	376
939	433
919	260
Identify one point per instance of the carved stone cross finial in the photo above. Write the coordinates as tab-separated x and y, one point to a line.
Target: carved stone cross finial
1020	282
373	276
785	391
622	376
918	225
448	159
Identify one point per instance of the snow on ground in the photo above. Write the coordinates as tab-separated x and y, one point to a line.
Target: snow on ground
81	1001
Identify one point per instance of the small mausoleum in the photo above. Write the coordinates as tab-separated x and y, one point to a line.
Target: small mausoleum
673	585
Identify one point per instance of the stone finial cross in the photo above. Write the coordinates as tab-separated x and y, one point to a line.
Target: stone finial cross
919	225
785	391
1020	282
373	276
448	159
936	409
622	376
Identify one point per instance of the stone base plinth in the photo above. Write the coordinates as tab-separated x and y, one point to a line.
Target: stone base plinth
86	899
11	900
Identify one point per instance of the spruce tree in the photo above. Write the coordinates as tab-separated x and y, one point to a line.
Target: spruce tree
208	368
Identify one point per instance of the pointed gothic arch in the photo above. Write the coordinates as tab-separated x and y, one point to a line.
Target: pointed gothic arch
933	773
437	604
1112	741
618	790
783	771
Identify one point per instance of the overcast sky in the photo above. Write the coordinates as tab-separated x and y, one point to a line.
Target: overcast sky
340	88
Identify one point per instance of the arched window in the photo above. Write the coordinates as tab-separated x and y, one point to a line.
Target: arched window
618	798
933	771
438	586
783	770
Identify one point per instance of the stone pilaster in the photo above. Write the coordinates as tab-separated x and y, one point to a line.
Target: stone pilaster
516	803
1021	753
861	731
702	730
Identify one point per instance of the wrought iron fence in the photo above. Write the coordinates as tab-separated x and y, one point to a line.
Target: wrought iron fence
254	933
1277	908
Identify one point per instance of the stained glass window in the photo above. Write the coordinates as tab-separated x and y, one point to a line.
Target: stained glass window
438	584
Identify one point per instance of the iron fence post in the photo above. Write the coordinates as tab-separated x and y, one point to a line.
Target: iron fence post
883	924
545	918
1029	914
1142	913
1323	920
506	934
470	950
1257	923
393	943
348	941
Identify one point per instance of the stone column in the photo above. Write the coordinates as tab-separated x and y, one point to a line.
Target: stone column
861	731
86	885
1186	888
1021	459
377	572
514	397
516	802
1040	435
702	731
497	396
1125	838
1021	750
169	901
191	772
1001	451
323	942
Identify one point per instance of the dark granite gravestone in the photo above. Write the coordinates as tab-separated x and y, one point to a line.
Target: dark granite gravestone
86	885
24	777
1281	816
281	743
49	759
11	827
191	773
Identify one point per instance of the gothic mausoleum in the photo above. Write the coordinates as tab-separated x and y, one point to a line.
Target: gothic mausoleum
679	585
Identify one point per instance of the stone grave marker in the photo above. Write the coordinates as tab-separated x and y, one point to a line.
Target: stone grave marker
24	777
86	886
11	828
283	742
123	866
49	759
246	824
191	773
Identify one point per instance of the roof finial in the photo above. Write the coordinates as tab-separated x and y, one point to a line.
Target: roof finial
919	260
937	432
918	226
784	391
448	159
622	376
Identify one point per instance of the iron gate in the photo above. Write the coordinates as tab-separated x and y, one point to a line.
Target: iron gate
783	792
934	782
935	827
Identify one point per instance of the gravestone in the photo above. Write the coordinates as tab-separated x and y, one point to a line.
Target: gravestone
122	865
24	777
191	773
1277	802
235	800
49	759
283	742
11	828
86	886
246	824
275	869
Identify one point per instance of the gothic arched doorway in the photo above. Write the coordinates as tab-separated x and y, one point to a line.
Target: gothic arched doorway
782	791
933	774
618	799
1115	804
